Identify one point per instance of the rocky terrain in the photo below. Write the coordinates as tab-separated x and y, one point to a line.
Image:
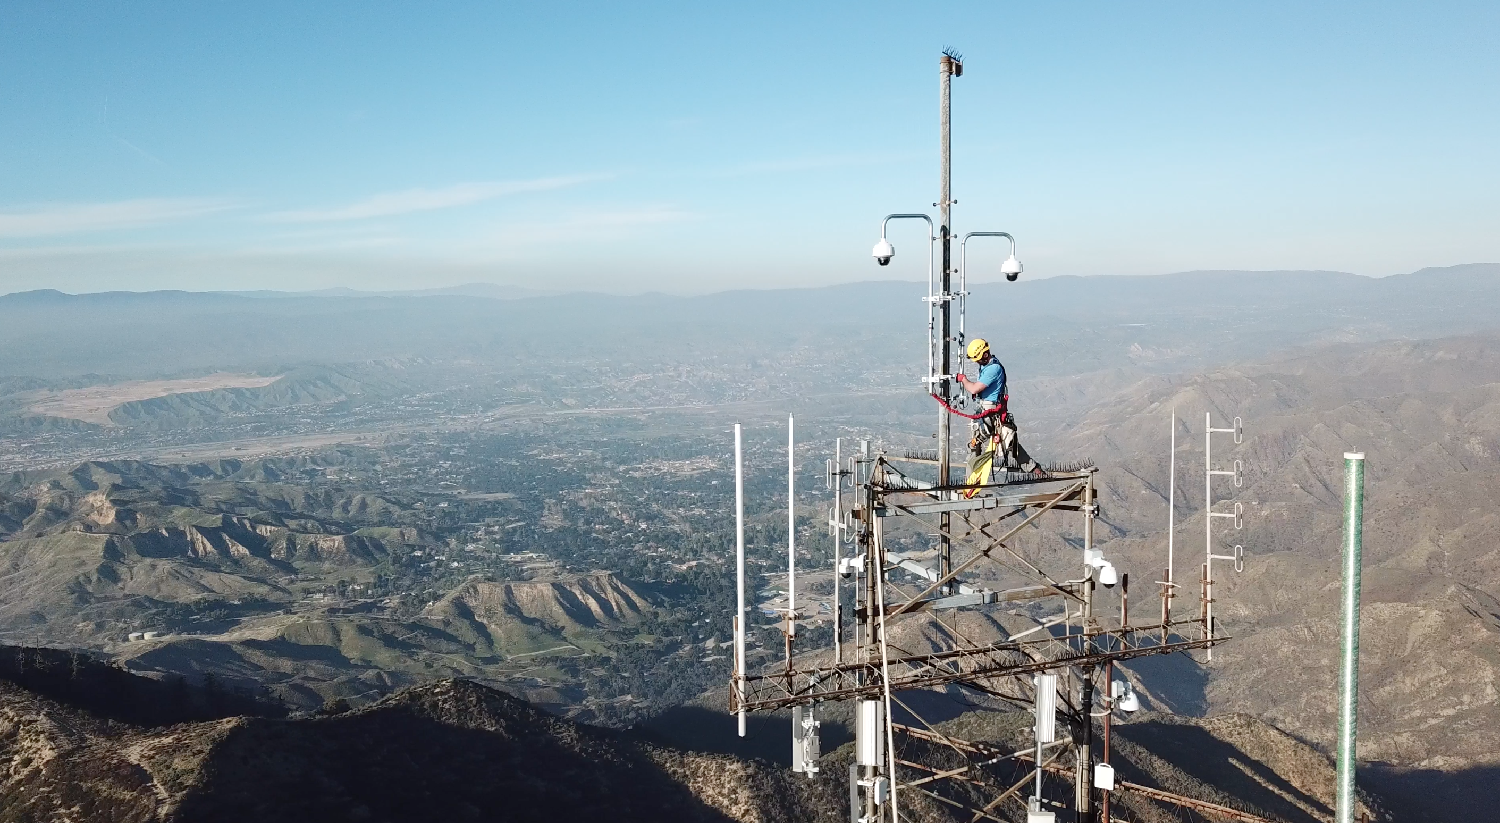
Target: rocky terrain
1427	415
72	749
104	547
450	750
516	617
238	571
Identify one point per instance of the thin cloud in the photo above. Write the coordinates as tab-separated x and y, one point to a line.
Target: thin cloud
798	164
585	226
390	204
79	218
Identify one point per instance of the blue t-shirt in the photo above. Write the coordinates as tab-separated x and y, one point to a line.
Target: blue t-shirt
992	375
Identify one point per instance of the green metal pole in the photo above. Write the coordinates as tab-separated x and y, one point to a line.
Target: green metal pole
1354	512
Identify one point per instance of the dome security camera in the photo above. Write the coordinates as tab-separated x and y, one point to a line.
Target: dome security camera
848	566
1012	268
1122	696
1107	576
883	252
1094	559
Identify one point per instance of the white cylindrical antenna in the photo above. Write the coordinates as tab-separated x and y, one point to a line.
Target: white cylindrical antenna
791	527
739	577
1171	495
1354	512
838	550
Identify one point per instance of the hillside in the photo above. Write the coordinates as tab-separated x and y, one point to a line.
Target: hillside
499	633
107	548
1427	415
516	617
447	751
244	573
72	749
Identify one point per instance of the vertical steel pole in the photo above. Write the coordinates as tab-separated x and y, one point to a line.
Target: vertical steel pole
838	549
1354	512
877	552
791	527
1169	588
1109	694
870	593
1083	782
1171	497
1036	790
947	66
739	577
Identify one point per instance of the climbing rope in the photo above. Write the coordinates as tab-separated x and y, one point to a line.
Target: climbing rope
1000	409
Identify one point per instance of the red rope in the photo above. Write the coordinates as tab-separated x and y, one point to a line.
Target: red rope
1000	409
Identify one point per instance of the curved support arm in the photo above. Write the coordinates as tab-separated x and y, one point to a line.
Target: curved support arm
963	243
931	296
963	274
890	217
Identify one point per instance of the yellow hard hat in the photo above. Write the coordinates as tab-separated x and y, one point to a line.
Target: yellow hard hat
977	348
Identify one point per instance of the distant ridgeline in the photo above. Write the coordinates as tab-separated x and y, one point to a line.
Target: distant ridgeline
82	681
1220	315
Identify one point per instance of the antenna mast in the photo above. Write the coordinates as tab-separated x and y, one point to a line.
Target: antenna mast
739	578
1209	515
950	66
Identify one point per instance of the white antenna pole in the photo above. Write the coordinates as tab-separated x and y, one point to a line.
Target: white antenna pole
1208	530
836	529
1171	496
791	527
1354	512
739	577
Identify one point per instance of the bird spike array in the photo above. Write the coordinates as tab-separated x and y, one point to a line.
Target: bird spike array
1069	466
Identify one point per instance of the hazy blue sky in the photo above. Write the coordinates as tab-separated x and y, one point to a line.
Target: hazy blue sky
700	146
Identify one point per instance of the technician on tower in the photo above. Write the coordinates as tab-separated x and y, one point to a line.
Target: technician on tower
994	428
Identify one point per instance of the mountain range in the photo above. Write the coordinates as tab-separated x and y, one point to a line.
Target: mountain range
73	749
1062	325
227	558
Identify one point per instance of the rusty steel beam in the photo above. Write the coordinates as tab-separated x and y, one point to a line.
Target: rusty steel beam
995	754
1161	796
989	597
778	691
998	541
1189	803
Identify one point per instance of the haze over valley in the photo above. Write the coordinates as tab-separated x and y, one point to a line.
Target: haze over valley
315	502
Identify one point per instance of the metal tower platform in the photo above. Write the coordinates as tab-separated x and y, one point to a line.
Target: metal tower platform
870	665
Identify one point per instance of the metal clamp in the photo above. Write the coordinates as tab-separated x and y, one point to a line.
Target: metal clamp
1238	557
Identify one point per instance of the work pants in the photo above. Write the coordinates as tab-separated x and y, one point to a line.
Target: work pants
1011	454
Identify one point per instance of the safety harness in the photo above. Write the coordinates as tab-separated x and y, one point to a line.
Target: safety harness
1000	408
